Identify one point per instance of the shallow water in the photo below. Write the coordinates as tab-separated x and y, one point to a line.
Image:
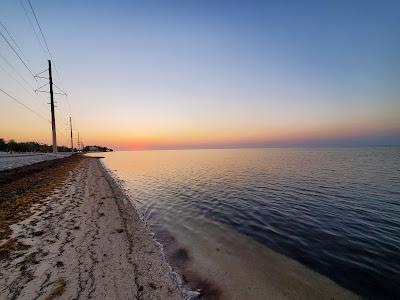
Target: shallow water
335	211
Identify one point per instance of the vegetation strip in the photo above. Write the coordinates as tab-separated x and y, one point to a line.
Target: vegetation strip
22	187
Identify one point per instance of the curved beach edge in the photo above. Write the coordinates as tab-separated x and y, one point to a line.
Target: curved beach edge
71	232
273	274
117	184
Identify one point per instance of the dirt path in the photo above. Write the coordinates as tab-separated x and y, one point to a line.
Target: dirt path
83	241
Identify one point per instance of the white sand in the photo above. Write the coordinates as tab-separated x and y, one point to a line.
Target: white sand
86	241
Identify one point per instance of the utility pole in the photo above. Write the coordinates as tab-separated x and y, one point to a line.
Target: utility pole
72	141
79	144
53	118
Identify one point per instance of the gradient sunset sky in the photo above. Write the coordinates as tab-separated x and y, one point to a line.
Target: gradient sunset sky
182	74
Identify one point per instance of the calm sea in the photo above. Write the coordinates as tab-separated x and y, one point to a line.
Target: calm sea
335	211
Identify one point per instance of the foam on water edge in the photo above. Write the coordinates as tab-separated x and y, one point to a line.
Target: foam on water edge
270	273
186	292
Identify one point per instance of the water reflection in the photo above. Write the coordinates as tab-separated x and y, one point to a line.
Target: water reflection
333	210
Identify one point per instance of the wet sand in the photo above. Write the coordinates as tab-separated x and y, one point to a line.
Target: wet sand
68	231
225	264
214	259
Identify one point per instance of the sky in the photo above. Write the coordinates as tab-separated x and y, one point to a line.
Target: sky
205	74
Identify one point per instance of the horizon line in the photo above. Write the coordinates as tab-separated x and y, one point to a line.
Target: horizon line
261	147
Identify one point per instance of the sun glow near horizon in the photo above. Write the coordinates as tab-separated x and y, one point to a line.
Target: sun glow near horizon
211	75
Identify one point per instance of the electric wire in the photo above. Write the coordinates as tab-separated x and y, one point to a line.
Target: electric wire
25	89
13	40
38	39
40	29
15	70
33	111
20	76
16	53
33	28
24	105
50	54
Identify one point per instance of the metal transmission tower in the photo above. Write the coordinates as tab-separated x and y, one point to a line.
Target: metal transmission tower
53	117
72	141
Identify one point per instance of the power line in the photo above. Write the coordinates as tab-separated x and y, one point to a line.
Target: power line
12	76
42	42
60	89
45	42
44	39
13	40
16	53
33	28
33	111
24	105
53	102
51	56
15	70
21	77
40	29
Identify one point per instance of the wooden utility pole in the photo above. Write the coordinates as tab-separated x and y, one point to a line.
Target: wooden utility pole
72	141
53	117
79	143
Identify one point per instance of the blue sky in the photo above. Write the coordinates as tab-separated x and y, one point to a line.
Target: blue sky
164	73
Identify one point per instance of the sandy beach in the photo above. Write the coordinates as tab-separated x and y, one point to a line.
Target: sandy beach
199	150
67	230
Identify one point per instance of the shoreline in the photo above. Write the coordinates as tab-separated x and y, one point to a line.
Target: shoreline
81	239
86	237
118	186
213	259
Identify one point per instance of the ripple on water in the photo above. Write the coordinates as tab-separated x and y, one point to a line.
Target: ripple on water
333	210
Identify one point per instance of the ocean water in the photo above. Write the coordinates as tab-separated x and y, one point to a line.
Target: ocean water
333	212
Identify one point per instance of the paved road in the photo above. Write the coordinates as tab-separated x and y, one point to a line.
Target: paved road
11	161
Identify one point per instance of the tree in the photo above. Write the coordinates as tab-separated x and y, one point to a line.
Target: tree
12	146
2	145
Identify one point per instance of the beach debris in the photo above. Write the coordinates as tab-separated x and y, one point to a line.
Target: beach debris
152	285
59	264
58	290
38	233
10	246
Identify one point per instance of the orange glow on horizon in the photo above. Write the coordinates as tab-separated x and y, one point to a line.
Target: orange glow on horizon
228	139
166	134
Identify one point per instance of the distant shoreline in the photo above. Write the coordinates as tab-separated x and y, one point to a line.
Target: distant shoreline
256	148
